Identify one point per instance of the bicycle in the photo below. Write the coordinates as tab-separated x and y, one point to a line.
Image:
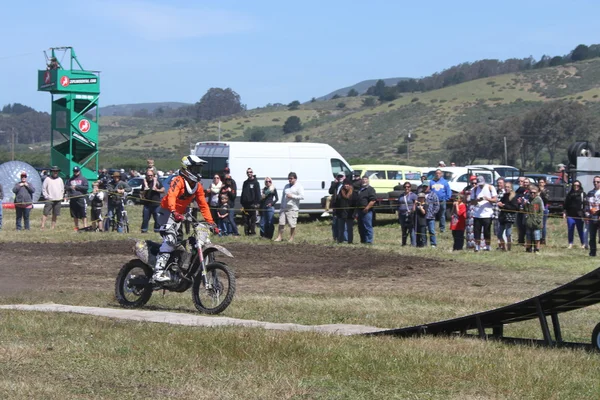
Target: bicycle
111	223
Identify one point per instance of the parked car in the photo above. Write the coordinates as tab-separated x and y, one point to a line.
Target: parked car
549	178
384	178
136	187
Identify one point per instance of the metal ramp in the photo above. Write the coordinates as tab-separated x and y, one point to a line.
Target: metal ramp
579	293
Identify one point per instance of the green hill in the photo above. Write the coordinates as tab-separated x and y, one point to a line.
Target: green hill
361	87
375	133
128	110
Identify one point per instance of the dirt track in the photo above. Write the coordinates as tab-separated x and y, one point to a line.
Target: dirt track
31	266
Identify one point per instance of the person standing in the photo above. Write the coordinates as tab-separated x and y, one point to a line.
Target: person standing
116	190
544	195
334	190
345	205
23	201
405	214
366	200
483	196
229	189
496	215
214	193
574	213
268	200
457	223
433	207
96	199
293	192
76	190
508	207
442	190
53	189
420	211
250	199
534	209
592	210
470	236
152	189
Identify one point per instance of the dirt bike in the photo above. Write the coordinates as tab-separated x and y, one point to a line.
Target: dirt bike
192	264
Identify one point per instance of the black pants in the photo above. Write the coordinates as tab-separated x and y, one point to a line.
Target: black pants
593	231
484	224
421	235
459	239
521	227
250	221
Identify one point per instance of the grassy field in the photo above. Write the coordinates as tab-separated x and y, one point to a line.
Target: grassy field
54	356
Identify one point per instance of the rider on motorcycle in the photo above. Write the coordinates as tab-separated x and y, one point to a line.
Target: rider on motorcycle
183	190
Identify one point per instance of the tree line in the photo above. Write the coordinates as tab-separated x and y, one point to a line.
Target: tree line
469	71
553	127
27	125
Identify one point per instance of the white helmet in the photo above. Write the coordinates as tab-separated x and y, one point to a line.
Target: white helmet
191	168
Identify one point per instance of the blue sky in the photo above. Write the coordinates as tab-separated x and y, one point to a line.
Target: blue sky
273	51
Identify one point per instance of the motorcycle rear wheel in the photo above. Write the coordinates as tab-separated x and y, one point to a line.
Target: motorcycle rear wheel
216	299
133	296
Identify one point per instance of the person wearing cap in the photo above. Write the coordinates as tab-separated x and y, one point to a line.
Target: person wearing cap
367	197
356	181
483	197
442	190
116	190
441	164
53	189
334	188
76	190
23	200
250	200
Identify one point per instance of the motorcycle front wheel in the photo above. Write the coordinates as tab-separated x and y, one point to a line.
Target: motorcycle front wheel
213	293
133	288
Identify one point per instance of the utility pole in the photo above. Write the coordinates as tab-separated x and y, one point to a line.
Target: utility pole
12	147
505	152
408	147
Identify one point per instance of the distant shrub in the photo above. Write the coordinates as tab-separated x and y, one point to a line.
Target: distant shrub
275	120
579	97
433	100
368	102
595	96
443	100
239	123
391	105
335	96
496	98
227	135
518	100
402	148
246	120
140	133
414	100
306	138
298	138
490	83
341	104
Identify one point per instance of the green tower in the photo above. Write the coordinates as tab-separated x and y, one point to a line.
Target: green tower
74	116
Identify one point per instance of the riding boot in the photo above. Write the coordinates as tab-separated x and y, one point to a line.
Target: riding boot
160	275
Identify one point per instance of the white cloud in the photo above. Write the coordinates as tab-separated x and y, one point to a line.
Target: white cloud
164	21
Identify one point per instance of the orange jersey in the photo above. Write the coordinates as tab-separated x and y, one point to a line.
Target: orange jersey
177	199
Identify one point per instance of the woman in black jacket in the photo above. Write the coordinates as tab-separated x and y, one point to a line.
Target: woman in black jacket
268	200
345	206
508	214
574	212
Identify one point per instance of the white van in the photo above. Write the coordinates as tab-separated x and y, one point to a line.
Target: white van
316	165
505	171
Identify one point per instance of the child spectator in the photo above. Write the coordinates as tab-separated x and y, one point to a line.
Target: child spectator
458	222
223	216
420	211
534	208
97	201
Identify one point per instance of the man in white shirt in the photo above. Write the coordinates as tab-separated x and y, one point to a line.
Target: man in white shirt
483	197
293	192
53	190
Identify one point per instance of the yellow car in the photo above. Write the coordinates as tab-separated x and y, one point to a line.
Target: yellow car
384	177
